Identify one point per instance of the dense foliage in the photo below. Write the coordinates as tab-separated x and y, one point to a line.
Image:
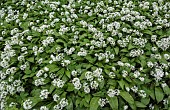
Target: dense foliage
84	55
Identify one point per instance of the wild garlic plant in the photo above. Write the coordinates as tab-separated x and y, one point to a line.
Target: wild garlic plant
84	54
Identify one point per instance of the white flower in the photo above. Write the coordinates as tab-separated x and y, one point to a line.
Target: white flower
76	83
142	78
97	72
94	84
142	93
44	94
46	69
20	89
112	92
74	73
86	89
136	74
57	107
102	102
59	83
164	85
134	89
44	108
158	74
39	82
27	104
167	56
112	74
39	73
63	102
23	67
56	97
125	107
89	76
127	89
82	52
12	104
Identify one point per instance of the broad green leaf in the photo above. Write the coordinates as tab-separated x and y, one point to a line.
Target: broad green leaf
61	41
52	88
31	59
28	76
133	106
90	58
70	87
139	104
53	67
148	32
159	94
90	18
121	83
35	100
100	93
27	71
87	98
70	104
151	93
130	46
60	73
12	108
116	50
78	101
94	103
68	74
166	89
127	97
145	100
101	85
113	101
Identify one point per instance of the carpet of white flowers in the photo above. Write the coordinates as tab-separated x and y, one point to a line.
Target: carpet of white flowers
84	55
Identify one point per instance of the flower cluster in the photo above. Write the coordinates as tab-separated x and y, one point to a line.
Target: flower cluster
84	54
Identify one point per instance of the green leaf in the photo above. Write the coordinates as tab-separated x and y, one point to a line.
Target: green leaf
70	105
139	104
12	108
87	98
52	88
101	85
70	87
116	50
27	71
35	100
133	106
31	59
121	83
68	74
150	92
127	97
148	32
90	18
130	46
159	94
24	25
53	68
166	89
28	76
113	101
60	73
61	41
145	100
99	94
94	103
90	59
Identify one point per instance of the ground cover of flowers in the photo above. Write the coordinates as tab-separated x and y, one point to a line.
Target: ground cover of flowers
84	55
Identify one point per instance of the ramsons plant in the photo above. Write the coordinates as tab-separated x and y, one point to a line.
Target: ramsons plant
84	55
